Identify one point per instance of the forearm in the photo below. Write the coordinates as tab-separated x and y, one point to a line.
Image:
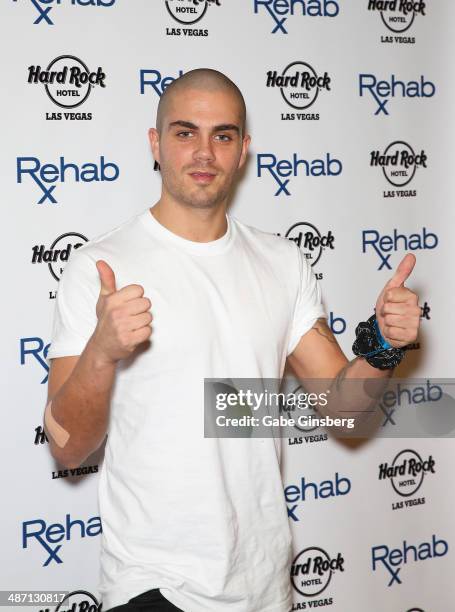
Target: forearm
359	368
354	386
356	390
81	407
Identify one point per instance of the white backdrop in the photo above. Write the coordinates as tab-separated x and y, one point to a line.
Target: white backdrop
135	47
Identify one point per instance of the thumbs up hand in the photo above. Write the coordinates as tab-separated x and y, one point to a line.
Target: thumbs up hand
124	317
397	310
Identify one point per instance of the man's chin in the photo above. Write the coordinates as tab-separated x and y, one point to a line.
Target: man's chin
203	200
203	203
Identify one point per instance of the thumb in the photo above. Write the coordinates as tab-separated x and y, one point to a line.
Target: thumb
107	277
403	271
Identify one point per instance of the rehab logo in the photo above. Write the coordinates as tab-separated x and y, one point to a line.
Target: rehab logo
57	255
383	90
406	474
47	176
408	396
280	10
311	573
68	83
386	244
283	170
399	164
398	16
52	537
393	560
44	8
187	13
34	350
299	84
298	494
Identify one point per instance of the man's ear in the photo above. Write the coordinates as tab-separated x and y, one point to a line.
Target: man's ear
154	139
245	144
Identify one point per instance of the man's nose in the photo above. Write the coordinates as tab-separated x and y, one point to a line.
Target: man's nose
204	150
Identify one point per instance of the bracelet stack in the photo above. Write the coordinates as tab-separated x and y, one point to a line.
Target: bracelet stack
370	344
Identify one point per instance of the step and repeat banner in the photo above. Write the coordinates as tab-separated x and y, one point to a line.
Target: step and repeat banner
349	108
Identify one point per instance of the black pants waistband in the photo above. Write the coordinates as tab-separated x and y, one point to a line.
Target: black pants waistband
150	601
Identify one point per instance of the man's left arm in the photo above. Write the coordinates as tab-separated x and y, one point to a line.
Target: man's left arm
319	356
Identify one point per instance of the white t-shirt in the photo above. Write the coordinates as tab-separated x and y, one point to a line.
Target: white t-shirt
203	519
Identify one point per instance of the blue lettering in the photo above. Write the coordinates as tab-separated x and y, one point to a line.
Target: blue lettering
57	532
34	346
393	559
279	10
388	243
279	169
153	78
382	91
44	12
51	173
334	322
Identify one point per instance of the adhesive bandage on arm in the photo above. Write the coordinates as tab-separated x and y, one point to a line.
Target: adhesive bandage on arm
58	433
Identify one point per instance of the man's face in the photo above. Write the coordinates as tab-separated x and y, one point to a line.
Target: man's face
200	147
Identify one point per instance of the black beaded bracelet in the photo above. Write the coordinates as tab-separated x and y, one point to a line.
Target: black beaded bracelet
370	344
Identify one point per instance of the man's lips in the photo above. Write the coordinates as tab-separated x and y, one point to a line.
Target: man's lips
202	177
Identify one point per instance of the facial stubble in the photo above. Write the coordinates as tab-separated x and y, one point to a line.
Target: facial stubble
198	197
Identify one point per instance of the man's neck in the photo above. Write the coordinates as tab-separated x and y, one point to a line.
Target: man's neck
194	224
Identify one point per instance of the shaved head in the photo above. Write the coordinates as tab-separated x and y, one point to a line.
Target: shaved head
203	79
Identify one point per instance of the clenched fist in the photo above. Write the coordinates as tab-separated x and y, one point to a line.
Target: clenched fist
124	317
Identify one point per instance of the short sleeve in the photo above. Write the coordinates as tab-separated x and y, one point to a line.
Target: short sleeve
75	306
308	305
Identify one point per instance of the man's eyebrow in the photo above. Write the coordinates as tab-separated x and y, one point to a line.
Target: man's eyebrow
224	127
181	123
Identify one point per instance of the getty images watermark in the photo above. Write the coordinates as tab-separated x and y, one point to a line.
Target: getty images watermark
349	408
258	402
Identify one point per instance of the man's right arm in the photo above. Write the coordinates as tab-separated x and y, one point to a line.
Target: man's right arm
80	389
76	417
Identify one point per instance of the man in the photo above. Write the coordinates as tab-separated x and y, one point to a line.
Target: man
191	522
